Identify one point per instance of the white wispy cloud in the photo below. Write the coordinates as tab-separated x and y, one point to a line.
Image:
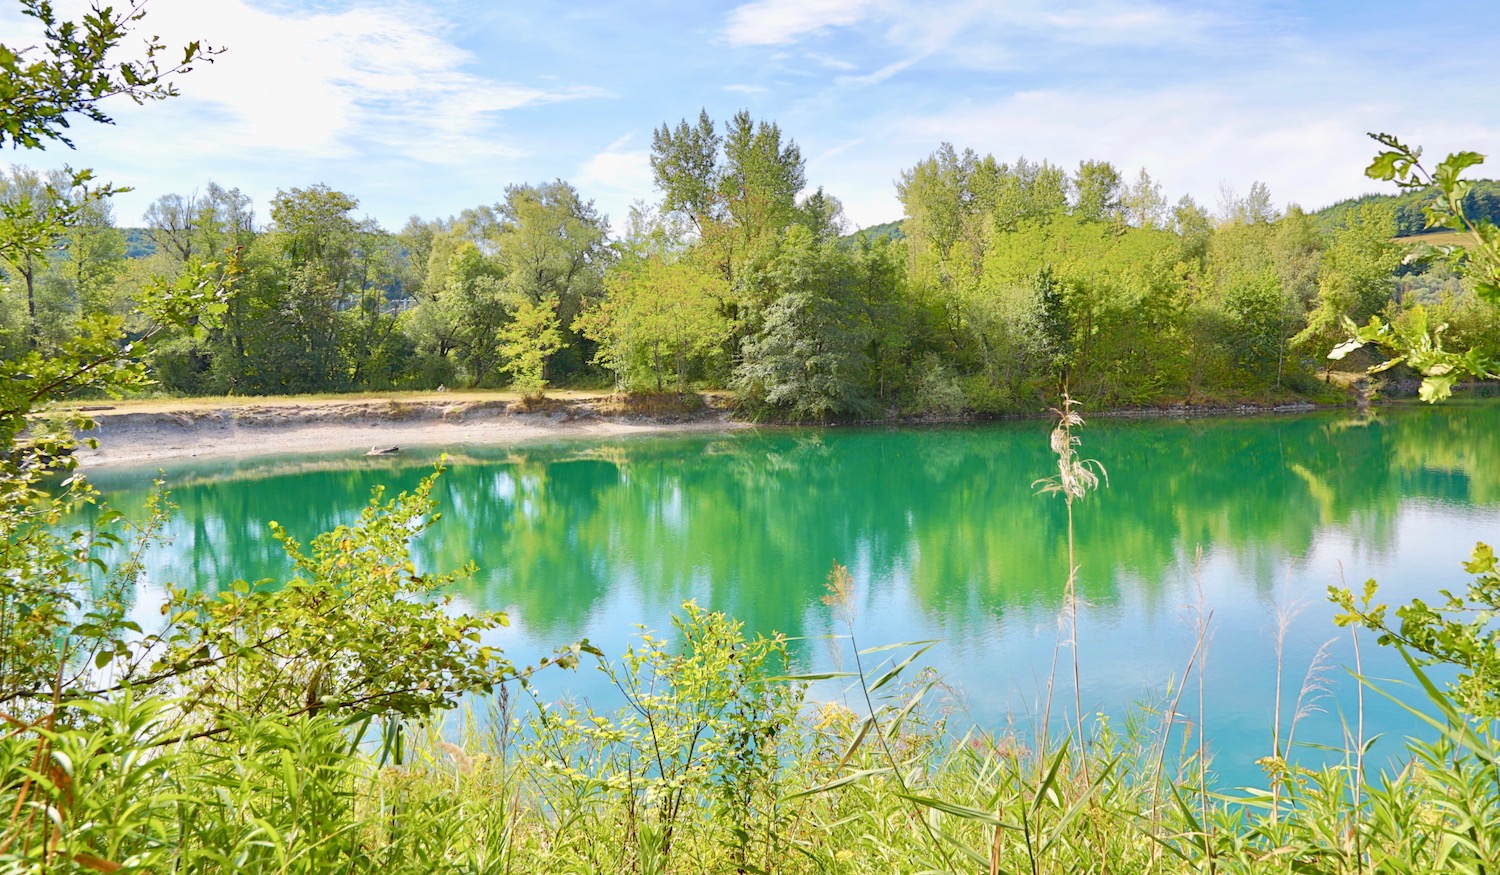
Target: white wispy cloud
331	84
1190	138
777	22
831	62
740	88
616	176
879	76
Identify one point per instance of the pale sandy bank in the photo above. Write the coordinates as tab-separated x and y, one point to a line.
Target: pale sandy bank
128	438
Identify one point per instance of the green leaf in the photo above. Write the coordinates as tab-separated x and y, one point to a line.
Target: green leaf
836	783
814	676
897	646
1437	388
957	810
1343	349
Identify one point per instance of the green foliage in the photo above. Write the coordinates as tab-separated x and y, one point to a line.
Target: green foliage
935	390
810	357
1459	632
527	341
659	318
1482	201
1420	348
1097	187
354	631
1356	279
703	743
74	69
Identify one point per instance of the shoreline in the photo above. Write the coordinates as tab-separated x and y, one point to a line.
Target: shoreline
248	430
256	430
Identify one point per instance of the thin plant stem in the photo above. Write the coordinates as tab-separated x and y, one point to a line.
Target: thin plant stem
1075	478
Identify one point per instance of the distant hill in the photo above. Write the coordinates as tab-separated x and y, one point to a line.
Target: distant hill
1482	202
886	231
137	244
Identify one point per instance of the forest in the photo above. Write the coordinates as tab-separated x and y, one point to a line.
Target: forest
1003	282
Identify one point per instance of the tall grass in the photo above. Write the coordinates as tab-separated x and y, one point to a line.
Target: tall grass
699	776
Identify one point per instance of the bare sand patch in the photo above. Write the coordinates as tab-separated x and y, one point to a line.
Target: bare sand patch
131	437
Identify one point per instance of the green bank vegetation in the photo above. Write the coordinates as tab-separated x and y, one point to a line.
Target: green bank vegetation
295	726
1003	281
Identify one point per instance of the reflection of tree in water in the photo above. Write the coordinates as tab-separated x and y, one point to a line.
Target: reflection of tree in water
751	523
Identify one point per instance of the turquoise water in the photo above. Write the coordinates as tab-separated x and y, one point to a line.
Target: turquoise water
945	538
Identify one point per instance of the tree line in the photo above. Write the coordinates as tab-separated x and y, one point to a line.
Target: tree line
1003	283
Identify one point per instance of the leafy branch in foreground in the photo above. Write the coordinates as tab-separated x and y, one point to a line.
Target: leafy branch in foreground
1460	631
1417	345
73	69
44	564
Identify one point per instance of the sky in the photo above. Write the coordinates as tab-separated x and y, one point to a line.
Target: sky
426	108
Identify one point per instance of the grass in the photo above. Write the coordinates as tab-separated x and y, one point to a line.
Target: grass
1440	237
699	776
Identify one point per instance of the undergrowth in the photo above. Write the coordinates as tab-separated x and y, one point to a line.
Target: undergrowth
716	763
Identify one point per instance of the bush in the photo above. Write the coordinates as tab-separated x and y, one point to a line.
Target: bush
934	389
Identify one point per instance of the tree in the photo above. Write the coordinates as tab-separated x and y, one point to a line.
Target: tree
204	226
170	223
810	356
760	177
686	167
1258	206
735	189
739	192
527	341
1253	209
1194	228
659	317
550	243
477	308
1356	279
947	198
1029	191
34	216
1098	190
93	250
1143	204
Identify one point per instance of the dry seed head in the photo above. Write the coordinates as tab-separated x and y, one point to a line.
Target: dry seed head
460	757
840	589
1075	477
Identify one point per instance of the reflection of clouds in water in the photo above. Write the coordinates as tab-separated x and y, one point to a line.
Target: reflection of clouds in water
672	509
503	486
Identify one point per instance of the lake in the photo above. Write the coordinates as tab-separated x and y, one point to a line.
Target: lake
945	538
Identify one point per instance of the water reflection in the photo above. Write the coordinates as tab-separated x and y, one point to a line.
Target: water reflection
940	527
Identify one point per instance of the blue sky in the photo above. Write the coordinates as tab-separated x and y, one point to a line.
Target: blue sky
426	108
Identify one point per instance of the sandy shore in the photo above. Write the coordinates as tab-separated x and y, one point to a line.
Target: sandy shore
131	438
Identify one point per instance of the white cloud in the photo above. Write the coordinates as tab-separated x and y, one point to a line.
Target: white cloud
1190	138
880	75
746	89
831	62
777	22
616	177
330	84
